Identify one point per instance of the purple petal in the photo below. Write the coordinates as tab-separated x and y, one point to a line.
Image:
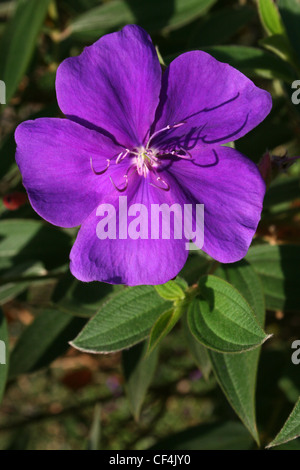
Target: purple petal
232	191
128	261
54	158
114	85
218	103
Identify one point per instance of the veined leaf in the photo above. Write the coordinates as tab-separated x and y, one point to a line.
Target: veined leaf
163	326
122	321
82	299
290	429
236	374
222	320
170	291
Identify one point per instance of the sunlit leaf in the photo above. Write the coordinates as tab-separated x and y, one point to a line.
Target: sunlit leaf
124	320
222	320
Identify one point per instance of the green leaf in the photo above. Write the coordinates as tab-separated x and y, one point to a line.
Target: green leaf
138	369
291	428
43	341
3	354
198	352
31	240
279	270
19	41
153	16
253	62
236	374
170	291
17	279
94	439
280	45
270	17
282	190
122	321
290	14
242	276
82	299
225	436
222	320
220	25
163	326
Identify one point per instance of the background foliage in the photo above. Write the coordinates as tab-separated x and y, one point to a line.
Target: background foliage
182	372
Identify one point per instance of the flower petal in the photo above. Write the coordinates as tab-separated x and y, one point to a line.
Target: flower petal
128	261
232	191
218	103
54	158
113	85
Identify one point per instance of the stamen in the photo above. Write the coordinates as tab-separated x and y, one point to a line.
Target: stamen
162	130
186	156
121	190
99	172
166	188
121	156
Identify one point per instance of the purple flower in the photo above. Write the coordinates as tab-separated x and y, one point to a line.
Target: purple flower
156	139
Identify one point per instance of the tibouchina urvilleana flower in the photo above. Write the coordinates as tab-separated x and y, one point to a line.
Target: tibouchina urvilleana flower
135	135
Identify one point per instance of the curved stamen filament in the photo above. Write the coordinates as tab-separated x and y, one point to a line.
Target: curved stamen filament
102	171
122	155
121	190
165	187
186	156
162	130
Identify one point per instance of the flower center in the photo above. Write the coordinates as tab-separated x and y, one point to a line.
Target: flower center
146	159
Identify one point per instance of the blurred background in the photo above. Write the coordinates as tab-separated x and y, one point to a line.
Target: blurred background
59	398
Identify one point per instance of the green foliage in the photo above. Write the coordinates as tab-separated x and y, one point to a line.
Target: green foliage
290	14
226	436
237	374
19	40
122	321
222	320
279	271
152	16
43	341
270	17
139	370
290	429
